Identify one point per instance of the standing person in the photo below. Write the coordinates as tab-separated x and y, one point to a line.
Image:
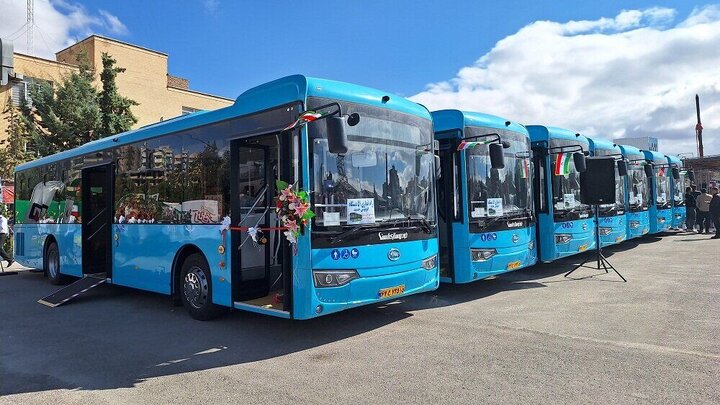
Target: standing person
4	235
690	209
715	211
703	207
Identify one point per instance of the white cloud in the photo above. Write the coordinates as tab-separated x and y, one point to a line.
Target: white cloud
58	23
632	75
113	24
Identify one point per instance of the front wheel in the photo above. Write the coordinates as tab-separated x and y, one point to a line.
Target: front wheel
196	293
52	265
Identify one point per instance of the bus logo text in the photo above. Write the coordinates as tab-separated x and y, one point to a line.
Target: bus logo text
393	236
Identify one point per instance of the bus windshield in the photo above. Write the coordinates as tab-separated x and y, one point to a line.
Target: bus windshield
503	192
566	187
638	194
662	187
386	176
680	185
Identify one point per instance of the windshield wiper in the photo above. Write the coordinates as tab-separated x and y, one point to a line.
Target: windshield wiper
342	235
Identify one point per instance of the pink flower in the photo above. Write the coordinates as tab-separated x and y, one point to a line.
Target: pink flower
287	194
301	208
292	226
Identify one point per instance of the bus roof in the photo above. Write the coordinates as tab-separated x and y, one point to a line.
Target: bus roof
260	98
543	133
444	120
656	157
599	143
672	159
630	150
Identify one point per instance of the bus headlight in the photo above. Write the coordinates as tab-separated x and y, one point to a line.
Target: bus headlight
481	255
661	220
605	231
333	278
634	224
430	263
531	245
563	238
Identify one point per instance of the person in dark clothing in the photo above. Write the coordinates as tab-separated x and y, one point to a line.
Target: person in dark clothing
690	209
715	211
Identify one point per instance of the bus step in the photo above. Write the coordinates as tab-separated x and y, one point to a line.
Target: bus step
73	290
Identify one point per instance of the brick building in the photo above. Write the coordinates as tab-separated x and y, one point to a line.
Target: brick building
146	79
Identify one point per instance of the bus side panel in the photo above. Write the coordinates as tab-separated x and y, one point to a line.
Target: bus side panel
546	238
143	256
462	270
29	251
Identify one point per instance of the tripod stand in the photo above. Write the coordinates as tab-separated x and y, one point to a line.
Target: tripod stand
601	259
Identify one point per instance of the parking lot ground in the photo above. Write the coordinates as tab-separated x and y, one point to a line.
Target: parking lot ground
531	336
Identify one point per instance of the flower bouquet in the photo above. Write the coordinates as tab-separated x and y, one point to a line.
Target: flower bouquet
293	209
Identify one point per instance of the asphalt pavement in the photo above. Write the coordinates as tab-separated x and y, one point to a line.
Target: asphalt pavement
532	336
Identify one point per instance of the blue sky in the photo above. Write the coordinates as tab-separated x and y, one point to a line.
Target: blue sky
607	68
225	47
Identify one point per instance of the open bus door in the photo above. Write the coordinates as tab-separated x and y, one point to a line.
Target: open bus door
261	269
96	214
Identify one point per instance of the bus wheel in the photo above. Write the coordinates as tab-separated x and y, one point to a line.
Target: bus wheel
196	293
52	264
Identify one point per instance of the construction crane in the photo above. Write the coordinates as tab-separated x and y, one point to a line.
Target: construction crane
698	128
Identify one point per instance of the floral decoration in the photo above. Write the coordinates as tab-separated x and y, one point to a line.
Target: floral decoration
293	209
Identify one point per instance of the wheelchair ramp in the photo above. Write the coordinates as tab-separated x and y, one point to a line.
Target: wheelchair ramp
73	290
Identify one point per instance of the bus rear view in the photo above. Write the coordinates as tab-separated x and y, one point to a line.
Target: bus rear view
487	226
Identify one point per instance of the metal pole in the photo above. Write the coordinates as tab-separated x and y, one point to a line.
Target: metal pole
698	128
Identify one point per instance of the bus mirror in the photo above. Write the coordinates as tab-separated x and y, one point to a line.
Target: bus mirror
676	173
648	170
497	158
505	144
691	175
438	171
579	160
337	138
622	167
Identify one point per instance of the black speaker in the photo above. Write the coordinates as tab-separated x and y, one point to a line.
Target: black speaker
597	183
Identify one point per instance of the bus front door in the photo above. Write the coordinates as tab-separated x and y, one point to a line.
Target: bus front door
96	217
258	274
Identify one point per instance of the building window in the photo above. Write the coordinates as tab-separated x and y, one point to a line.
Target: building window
20	91
189	110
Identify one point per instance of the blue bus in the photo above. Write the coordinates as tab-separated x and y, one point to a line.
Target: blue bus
188	207
565	224
485	207
637	186
661	214
612	222
678	183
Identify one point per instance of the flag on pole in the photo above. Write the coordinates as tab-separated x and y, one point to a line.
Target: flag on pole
467	145
562	164
304	118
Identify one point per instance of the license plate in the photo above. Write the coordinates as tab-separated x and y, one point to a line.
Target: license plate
582	248
514	265
392	291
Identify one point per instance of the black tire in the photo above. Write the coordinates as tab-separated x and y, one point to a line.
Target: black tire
196	289
51	265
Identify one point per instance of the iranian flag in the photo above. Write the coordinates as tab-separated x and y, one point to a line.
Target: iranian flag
562	164
467	145
661	172
304	118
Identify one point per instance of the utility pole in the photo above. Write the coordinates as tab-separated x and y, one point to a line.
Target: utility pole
698	128
30	24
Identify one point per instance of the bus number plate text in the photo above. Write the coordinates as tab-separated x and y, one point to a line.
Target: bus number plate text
392	291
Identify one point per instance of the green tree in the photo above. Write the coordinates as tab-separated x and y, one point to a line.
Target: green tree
13	149
115	112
